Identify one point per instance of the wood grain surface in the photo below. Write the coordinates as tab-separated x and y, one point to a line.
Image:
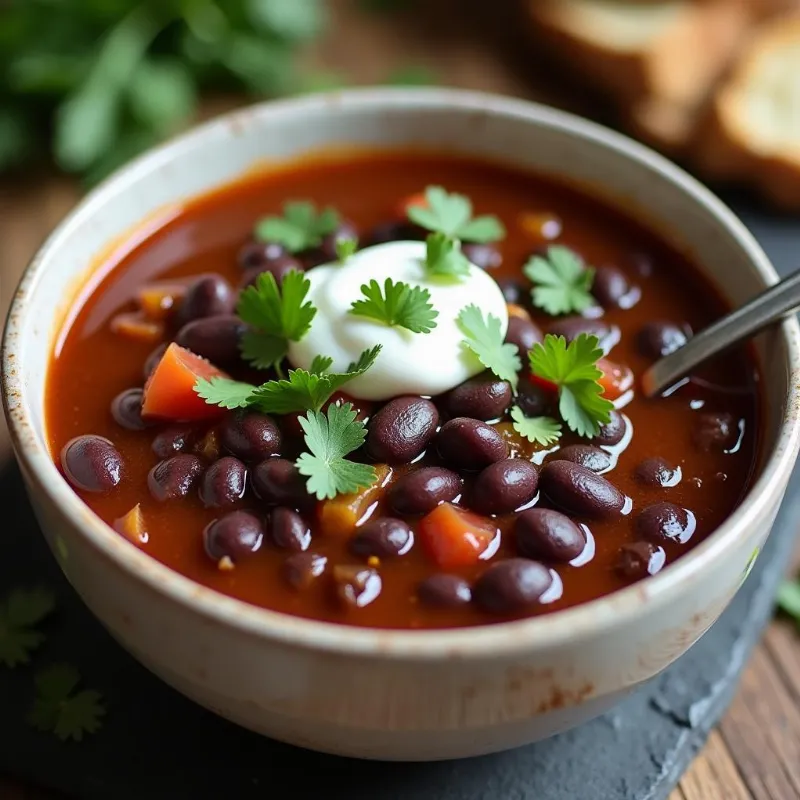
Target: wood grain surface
755	752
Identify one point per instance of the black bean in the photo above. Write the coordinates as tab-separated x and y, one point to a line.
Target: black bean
277	482
637	560
657	472
571	327
214	338
444	591
289	530
126	409
356	586
421	490
153	360
484	397
513	291
393	231
586	455
524	334
665	522
612	432
383	537
511	585
401	430
658	339
549	535
234	536
612	289
258	254
470	444
279	268
223	483
504	486
172	440
250	436
533	400
92	463
485	256
715	430
301	569
208	296
326	251
580	491
174	477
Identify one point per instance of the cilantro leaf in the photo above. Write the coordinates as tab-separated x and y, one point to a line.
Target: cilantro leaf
277	315
561	281
484	338
443	256
22	610
329	438
320	364
59	709
302	390
789	599
301	226
345	248
451	214
539	430
573	369
399	304
224	392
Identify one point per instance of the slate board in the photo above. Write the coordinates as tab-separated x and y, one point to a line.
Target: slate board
636	752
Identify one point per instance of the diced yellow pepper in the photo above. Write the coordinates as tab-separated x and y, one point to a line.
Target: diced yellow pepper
338	516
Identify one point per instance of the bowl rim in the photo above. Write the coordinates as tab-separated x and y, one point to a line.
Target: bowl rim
481	642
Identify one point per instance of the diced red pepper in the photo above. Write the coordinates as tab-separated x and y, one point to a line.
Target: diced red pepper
453	537
158	300
616	379
169	393
543	383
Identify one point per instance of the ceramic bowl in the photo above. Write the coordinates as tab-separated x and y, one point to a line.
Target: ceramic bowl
396	694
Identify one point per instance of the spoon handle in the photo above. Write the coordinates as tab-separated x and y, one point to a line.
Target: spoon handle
771	305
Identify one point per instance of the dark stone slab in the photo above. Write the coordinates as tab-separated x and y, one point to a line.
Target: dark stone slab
638	751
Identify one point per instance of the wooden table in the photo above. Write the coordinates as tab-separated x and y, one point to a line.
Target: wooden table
755	751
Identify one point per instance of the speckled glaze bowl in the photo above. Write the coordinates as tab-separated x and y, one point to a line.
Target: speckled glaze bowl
396	694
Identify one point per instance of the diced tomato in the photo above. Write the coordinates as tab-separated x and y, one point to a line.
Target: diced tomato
159	300
169	393
453	537
548	386
417	199
540	225
616	380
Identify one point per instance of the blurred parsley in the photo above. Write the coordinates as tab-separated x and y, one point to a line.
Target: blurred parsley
94	82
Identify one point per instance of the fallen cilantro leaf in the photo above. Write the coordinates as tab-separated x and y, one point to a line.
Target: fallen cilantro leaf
573	369
484	338
19	614
277	316
561	282
451	214
789	599
59	709
320	364
224	392
329	438
302	390
443	256
300	227
398	304
345	248
539	430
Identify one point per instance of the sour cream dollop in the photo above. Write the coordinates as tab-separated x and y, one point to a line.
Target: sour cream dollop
409	363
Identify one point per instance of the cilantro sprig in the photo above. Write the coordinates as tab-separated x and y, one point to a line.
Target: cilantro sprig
329	437
484	338
561	281
397	304
539	430
451	215
301	227
277	315
443	256
58	708
345	248
21	612
573	370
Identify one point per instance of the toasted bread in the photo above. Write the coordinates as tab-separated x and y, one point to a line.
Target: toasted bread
753	131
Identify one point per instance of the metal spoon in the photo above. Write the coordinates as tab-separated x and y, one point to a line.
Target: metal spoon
770	306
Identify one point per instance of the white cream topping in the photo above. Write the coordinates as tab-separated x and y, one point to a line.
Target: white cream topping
409	363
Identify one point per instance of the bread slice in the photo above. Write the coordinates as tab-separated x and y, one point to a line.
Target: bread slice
753	131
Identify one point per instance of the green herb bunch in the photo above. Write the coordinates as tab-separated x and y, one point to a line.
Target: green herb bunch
93	82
